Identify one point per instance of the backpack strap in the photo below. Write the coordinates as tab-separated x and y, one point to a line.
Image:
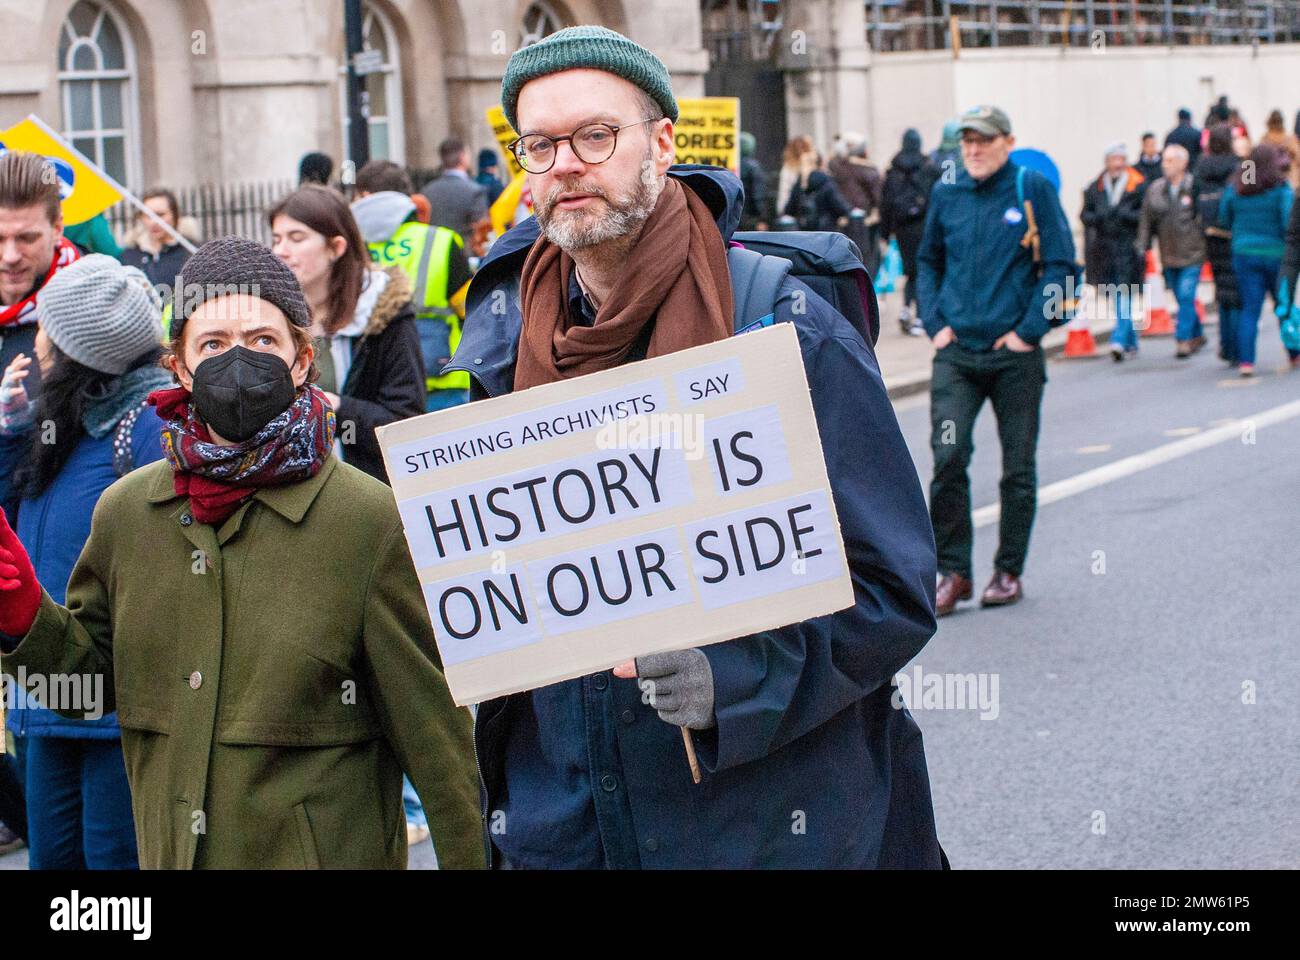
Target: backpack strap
756	281
1030	241
123	456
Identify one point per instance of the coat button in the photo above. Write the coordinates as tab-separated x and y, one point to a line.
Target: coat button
652	844
186	519
196	680
608	783
601	681
478	361
627	716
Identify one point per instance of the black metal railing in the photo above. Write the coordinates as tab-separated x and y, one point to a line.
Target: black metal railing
896	25
221	209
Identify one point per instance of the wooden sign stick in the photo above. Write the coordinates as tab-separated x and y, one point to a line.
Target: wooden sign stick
690	754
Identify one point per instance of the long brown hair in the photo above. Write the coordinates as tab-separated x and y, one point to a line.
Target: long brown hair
1265	165
325	211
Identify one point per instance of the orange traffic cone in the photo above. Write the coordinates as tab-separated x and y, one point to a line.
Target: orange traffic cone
1079	341
1158	322
1078	334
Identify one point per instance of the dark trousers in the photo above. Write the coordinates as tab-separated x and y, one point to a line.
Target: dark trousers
13	805
963	380
78	805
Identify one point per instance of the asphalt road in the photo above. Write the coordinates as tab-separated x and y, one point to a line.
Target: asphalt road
1118	736
1121	738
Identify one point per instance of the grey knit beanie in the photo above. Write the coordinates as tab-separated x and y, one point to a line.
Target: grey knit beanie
587	48
230	265
100	313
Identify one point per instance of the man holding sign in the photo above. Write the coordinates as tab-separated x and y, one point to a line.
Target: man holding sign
805	762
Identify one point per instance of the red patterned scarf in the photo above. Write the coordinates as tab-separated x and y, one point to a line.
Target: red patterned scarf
291	447
24	311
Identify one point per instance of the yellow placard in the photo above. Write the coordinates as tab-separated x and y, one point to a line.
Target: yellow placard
86	189
708	131
505	134
506	206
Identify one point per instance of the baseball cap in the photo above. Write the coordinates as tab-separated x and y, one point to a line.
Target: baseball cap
985	119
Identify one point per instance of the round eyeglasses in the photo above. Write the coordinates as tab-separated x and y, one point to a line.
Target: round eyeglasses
591	143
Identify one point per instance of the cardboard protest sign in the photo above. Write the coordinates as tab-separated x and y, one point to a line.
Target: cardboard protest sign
84	188
708	131
505	134
671	503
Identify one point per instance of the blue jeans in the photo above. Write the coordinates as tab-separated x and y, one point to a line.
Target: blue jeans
442	399
1181	281
78	805
1124	337
411	803
1256	278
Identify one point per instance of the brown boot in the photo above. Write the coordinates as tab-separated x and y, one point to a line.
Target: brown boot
952	588
1183	350
1002	590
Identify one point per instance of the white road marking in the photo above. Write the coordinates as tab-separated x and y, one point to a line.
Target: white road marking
1127	466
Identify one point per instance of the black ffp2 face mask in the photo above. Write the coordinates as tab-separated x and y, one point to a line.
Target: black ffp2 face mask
240	391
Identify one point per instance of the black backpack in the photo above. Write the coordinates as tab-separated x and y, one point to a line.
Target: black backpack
829	263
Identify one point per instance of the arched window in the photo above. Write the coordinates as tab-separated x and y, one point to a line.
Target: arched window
540	20
97	89
383	90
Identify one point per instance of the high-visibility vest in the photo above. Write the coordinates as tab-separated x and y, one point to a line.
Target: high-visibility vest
423	254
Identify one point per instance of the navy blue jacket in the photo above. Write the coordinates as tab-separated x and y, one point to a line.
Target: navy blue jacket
53	528
972	273
809	764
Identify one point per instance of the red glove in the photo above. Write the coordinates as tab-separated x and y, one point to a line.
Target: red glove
20	593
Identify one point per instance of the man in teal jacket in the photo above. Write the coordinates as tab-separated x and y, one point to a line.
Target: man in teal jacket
995	268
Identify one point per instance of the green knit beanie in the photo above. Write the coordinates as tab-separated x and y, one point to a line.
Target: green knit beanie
591	48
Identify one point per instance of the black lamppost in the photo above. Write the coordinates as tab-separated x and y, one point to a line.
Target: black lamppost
358	127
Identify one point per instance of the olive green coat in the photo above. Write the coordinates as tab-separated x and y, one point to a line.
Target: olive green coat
273	677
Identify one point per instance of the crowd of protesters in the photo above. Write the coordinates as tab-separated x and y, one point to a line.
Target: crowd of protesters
226	555
1210	195
85	327
237	431
1223	199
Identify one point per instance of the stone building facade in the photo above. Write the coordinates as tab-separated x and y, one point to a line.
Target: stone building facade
185	92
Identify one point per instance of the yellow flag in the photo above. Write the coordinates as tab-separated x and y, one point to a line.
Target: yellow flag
503	211
86	189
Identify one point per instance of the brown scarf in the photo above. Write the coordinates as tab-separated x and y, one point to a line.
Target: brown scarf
676	277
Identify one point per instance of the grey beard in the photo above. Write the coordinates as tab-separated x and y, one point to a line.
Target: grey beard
572	232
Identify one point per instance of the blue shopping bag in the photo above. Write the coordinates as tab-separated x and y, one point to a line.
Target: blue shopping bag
891	269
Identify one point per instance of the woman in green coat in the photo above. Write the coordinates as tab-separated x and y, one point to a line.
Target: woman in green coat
252	612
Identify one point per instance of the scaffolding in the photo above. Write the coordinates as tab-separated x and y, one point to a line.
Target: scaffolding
897	25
